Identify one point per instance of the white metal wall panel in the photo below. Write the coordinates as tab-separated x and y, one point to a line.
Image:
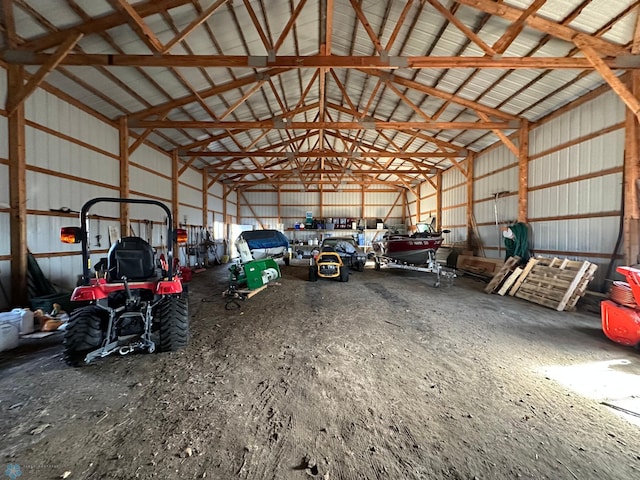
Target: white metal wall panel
381	198
604	111
153	159
452	178
148	212
192	177
262	198
428	202
4	186
3	86
232	203
46	109
60	155
600	153
143	181
189	195
4	133
216	189
5	238
455	196
502	181
215	203
591	196
45	192
189	215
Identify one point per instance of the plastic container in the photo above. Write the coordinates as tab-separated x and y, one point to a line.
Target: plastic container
9	336
21	318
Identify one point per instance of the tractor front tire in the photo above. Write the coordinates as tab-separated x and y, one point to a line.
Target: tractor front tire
83	334
344	274
172	315
313	274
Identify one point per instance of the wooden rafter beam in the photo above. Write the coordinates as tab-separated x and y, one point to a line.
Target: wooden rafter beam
287	28
325	171
13	102
209	92
23	57
362	125
418	134
327	153
199	20
101	24
138	25
9	23
419	87
474	37
541	24
367	26
507	142
256	23
516	27
140	140
626	95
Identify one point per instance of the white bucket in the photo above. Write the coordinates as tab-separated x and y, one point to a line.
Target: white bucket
9	336
21	318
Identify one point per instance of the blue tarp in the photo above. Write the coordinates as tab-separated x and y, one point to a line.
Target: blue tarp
257	239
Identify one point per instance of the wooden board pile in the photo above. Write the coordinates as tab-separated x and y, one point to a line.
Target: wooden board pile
481	266
552	282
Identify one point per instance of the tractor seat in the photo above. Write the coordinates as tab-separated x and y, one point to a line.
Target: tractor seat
131	257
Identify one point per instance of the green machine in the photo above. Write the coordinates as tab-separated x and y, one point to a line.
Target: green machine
249	276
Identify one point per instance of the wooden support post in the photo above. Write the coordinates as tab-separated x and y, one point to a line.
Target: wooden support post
225	220
17	191
439	200
205	197
124	177
175	176
418	203
523	172
470	233
632	180
362	202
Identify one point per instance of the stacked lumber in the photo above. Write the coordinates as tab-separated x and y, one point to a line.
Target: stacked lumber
552	282
479	265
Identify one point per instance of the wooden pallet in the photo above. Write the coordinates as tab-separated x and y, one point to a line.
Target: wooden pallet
509	265
553	282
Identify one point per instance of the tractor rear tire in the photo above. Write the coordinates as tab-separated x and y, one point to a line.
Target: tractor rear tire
172	315
83	334
313	274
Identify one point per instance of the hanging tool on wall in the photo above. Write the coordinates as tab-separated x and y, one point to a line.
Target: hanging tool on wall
497	195
98	236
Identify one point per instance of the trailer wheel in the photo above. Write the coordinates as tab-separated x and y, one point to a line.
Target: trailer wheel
172	314
313	274
83	334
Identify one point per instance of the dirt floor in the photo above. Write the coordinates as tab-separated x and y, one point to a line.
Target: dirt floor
381	377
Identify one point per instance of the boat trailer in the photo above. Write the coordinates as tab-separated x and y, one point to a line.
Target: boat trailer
432	266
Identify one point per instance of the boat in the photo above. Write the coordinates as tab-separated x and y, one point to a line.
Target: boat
266	244
415	249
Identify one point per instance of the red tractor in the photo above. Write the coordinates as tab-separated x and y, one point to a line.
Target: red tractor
133	301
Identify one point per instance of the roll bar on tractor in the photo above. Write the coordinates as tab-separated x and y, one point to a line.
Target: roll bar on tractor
81	234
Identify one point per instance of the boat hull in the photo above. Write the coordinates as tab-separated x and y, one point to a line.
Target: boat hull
416	251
